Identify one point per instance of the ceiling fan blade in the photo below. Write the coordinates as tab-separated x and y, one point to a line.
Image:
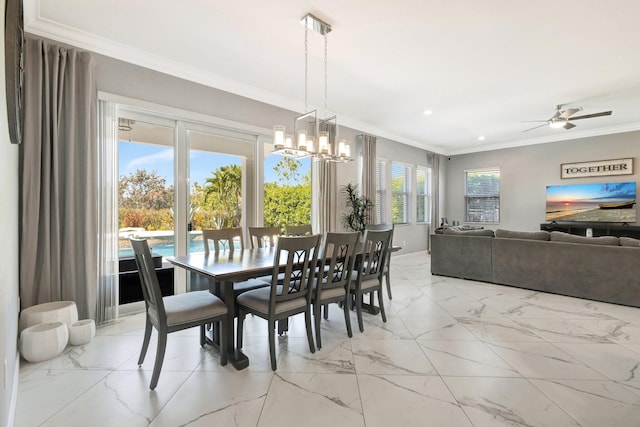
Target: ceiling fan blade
533	121
536	127
568	125
590	116
569	112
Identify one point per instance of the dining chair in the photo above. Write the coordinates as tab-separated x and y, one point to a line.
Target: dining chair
333	277
262	237
223	239
298	230
387	266
173	313
369	272
280	301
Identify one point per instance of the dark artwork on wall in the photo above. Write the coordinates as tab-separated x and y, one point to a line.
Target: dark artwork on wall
608	202
14	67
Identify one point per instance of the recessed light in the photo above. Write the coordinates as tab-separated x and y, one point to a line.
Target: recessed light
428	112
481	138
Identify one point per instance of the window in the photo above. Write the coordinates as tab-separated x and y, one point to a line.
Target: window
381	193
399	193
287	191
423	194
482	195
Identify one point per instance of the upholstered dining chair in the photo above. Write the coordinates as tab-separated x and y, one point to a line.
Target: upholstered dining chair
298	230
367	278
173	313
387	266
333	277
293	296
262	237
223	239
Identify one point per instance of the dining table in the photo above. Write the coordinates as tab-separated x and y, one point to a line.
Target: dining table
222	270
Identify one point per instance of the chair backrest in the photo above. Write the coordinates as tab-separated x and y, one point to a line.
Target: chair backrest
149	281
337	260
301	254
378	227
298	230
375	246
223	239
263	237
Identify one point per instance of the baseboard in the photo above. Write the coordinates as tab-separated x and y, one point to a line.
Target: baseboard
11	419
131	308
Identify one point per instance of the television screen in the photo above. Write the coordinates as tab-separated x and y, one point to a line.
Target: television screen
610	202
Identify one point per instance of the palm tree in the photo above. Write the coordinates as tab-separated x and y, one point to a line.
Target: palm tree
224	192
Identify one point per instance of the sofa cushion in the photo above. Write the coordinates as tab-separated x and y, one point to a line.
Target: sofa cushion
483	232
629	241
559	236
527	235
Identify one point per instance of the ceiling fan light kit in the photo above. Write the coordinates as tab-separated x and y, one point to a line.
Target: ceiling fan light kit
561	119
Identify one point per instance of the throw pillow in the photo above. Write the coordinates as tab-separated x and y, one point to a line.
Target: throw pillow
559	236
483	232
527	235
629	241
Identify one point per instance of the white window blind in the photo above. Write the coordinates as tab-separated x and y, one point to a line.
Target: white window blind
399	192
423	194
482	195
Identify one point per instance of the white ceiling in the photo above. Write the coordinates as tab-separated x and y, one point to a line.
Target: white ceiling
482	67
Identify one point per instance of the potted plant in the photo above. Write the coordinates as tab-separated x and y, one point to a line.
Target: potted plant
358	209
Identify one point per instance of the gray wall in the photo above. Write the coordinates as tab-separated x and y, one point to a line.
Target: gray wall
526	171
412	237
8	259
120	78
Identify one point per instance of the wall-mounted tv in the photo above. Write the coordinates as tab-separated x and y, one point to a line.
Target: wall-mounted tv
610	202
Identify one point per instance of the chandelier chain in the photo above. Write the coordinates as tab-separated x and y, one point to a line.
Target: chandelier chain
306	68
325	76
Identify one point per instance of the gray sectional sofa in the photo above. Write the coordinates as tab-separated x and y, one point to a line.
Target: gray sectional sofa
598	268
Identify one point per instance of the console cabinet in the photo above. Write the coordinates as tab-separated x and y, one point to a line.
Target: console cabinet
598	228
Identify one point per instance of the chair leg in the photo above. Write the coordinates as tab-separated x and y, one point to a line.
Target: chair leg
272	344
307	321
202	335
384	316
162	345
241	315
359	310
347	316
145	342
386	274
317	308
326	311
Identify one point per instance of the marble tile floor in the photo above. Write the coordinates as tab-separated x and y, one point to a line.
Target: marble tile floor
452	353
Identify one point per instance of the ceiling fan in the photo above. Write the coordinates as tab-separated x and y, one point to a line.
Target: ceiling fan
561	119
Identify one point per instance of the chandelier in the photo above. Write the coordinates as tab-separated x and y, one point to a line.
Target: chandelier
312	137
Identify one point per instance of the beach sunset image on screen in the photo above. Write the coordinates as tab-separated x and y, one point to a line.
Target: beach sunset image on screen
608	202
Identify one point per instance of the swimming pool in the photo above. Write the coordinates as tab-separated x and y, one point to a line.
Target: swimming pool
160	243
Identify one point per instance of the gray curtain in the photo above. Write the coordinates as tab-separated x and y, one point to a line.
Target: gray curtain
435	194
58	230
328	202
368	179
326	183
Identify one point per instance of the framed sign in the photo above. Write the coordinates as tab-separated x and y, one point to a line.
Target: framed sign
597	168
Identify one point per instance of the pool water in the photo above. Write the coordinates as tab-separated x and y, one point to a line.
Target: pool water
163	247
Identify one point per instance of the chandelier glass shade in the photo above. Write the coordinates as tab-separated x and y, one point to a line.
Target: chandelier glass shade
312	137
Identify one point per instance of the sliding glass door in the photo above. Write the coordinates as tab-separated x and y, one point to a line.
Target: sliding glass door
171	178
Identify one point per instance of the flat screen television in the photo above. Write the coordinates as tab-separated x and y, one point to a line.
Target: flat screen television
609	202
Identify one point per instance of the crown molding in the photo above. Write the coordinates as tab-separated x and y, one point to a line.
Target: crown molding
565	136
